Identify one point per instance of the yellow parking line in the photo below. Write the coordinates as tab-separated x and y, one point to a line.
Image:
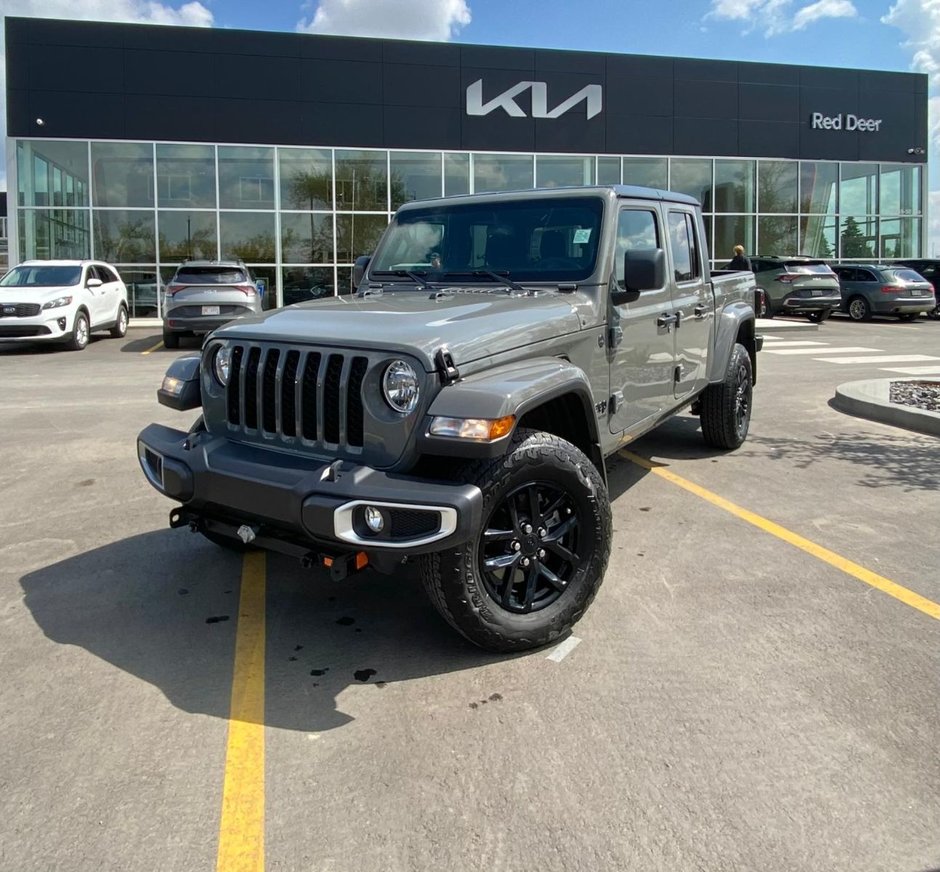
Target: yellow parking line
155	347
885	585
241	831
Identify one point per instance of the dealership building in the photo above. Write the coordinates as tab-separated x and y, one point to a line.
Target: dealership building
145	145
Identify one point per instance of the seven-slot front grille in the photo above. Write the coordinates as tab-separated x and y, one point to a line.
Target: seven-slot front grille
287	392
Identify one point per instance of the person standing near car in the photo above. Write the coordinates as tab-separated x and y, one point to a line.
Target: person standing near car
740	260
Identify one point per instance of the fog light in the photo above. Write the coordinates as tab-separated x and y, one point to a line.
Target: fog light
375	521
61	323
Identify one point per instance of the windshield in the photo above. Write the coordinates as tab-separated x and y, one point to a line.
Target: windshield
41	276
543	240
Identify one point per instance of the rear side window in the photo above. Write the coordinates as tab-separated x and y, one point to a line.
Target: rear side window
685	251
210	275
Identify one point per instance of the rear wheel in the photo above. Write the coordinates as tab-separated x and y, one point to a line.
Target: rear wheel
81	332
171	340
859	309
764	309
726	406
530	573
908	317
934	313
119	329
819	317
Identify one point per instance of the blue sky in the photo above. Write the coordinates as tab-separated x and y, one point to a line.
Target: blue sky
901	35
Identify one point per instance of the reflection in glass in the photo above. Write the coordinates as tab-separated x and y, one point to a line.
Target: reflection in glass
776	234
357	235
818	185
608	171
777	189
734	185
858	236
185	176
732	230
248	236
125	236
554	172
818	236
307	283
187	235
306	178
344	283
415	176
362	181
900	190
692	176
858	190
306	238
35	160
265	278
456	174
246	177
45	234
650	172
900	237
122	173
144	290
502	172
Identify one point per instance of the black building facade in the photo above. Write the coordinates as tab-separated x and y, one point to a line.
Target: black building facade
143	145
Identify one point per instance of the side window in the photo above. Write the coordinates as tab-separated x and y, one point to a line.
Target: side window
636	231
105	274
865	276
681	246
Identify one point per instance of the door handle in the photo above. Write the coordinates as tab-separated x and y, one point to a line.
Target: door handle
700	311
667	320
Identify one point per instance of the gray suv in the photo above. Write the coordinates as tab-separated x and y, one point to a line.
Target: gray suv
795	286
883	289
205	294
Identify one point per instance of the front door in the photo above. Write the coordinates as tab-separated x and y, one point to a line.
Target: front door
643	354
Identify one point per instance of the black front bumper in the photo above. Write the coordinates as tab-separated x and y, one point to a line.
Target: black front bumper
295	504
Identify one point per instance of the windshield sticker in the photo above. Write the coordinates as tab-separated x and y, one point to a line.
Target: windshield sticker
581	235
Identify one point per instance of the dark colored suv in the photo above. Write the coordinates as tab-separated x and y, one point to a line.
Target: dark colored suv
795	286
930	269
883	289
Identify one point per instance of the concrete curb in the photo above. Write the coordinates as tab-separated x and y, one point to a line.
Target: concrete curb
775	325
869	399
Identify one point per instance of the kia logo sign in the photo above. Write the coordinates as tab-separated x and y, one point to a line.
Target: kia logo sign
592	95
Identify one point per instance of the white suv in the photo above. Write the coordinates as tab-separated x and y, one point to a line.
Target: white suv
61	301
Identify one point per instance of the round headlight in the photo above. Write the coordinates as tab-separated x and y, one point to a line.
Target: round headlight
222	364
400	386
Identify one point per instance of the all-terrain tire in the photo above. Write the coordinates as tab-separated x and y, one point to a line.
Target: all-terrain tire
531	571
726	406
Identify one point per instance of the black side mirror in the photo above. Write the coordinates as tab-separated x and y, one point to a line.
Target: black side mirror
359	270
643	270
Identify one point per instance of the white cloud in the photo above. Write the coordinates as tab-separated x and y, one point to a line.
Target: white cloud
773	17
403	19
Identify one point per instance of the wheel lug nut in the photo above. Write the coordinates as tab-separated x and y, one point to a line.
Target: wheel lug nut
528	528
568	511
525	561
541	552
542	532
516	546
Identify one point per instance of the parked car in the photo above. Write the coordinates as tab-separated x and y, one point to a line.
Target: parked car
61	301
795	286
930	270
883	289
205	294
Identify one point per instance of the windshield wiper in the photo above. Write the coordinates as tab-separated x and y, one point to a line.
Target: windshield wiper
502	278
417	277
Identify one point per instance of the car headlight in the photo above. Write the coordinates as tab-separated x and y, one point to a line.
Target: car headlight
57	302
222	364
400	386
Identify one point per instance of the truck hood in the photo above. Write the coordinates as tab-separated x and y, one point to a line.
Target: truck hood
471	324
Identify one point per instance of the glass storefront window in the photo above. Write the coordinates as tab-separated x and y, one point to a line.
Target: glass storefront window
306	238
187	235
608	171
246	177
502	172
122	174
692	176
777	188
357	235
456	174
185	176
818	236
144	290
362	181
776	234
858	237
900	237
125	235
266	279
306	178
650	172
555	172
900	190
307	283
36	161
344	283
248	236
732	230
415	176
735	186
46	234
818	185
858	190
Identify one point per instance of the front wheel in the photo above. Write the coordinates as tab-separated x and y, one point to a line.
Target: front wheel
81	333
532	570
726	406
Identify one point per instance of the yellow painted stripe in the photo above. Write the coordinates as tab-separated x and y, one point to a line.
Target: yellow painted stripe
241	832
155	347
885	585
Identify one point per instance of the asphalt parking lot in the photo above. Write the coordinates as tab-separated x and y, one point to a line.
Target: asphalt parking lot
757	685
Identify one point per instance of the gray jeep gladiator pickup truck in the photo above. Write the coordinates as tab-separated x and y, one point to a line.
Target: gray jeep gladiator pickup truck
457	409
